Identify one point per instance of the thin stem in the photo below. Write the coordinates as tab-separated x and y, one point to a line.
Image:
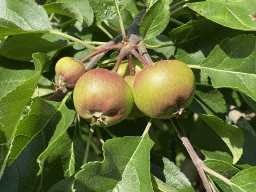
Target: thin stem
196	160
121	22
137	55
103	49
147	127
96	42
105	31
130	62
96	58
178	9
177	4
109	132
95	148
67	23
157	46
88	145
66	97
51	16
176	21
100	135
73	39
210	171
111	27
121	55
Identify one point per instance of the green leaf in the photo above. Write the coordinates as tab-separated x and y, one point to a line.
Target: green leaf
225	169
249	149
21	175
245	180
208	100
194	29
64	9
155	20
18	81
21	16
4	148
126	18
232	64
164	46
194	58
41	115
106	9
25	46
197	38
233	14
231	135
125	167
66	145
167	175
249	101
78	9
64	185
218	155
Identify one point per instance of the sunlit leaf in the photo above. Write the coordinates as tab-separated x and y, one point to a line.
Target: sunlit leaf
18	81
155	20
238	14
126	161
232	64
231	135
21	16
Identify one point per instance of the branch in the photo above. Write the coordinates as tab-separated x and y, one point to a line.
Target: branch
196	160
103	49
133	36
136	54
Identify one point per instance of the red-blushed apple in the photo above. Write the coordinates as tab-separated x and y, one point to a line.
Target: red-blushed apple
163	88
103	97
68	70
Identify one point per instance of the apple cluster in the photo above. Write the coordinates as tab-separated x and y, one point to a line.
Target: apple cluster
105	98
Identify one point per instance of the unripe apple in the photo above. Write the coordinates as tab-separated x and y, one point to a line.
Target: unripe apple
123	68
135	113
103	97
69	70
163	88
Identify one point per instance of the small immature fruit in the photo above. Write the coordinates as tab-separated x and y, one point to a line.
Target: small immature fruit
103	97
123	69
135	113
69	70
163	88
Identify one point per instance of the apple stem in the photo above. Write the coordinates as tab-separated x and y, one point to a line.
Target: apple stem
147	127
121	55
196	160
103	49
99	135
88	145
133	36
96	58
58	95
144	53
137	55
131	67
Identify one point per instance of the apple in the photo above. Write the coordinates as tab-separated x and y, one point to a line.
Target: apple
68	70
102	97
162	89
